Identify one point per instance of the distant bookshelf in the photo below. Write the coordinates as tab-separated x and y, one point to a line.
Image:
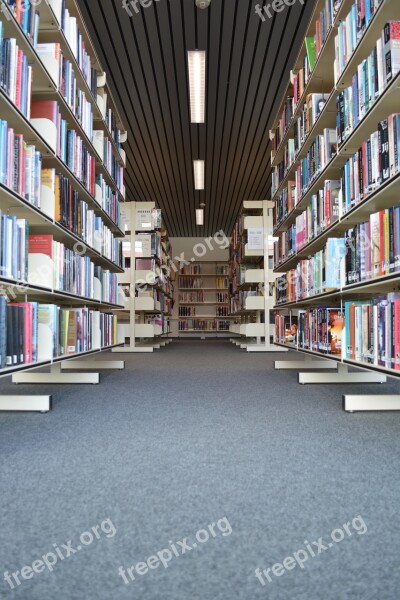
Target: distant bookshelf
251	277
147	284
203	298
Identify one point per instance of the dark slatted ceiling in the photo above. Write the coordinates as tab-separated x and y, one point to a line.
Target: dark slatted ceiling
248	65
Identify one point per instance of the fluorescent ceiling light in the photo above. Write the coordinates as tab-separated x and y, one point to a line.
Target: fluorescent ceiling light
199	216
198	166
197	84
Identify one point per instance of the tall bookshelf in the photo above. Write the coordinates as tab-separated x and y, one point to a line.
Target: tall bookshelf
336	184
60	191
203	307
146	286
250	271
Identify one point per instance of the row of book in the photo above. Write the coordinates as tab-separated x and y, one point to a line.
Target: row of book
15	73
70	147
372	331
191	270
376	161
351	30
195	283
27	16
222	311
32	332
64	270
21	171
108	199
203	325
312	108
301	78
373	247
314	46
189	297
321	152
238	299
20	165
104	149
222	297
321	212
16	246
317	329
187	311
76	42
66	82
368	83
323	272
14	236
110	118
366	331
75	214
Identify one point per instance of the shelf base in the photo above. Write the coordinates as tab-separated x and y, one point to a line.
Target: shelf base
353	403
263	348
25	403
56	376
307	363
342	376
73	365
132	349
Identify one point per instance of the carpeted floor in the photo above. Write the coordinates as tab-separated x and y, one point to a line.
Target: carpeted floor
200	434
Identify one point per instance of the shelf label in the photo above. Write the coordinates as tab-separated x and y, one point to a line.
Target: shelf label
144	219
255	238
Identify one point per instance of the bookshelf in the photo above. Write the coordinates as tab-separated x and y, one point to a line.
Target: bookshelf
203	307
61	184
336	210
250	270
146	285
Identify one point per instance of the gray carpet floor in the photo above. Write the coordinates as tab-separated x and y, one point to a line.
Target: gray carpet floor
198	434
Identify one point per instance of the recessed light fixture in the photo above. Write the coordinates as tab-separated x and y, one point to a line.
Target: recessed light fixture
198	166
199	216
197	84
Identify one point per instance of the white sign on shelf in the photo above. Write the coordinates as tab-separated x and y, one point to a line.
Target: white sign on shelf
125	212
255	238
143	245
144	219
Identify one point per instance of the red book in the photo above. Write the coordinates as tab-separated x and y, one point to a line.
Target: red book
41	244
45	109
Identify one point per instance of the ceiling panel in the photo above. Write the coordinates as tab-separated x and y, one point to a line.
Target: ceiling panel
248	65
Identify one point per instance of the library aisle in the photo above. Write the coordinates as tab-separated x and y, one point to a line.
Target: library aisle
207	436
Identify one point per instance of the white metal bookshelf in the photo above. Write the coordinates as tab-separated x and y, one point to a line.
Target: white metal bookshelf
143	337
253	315
41	133
383	197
